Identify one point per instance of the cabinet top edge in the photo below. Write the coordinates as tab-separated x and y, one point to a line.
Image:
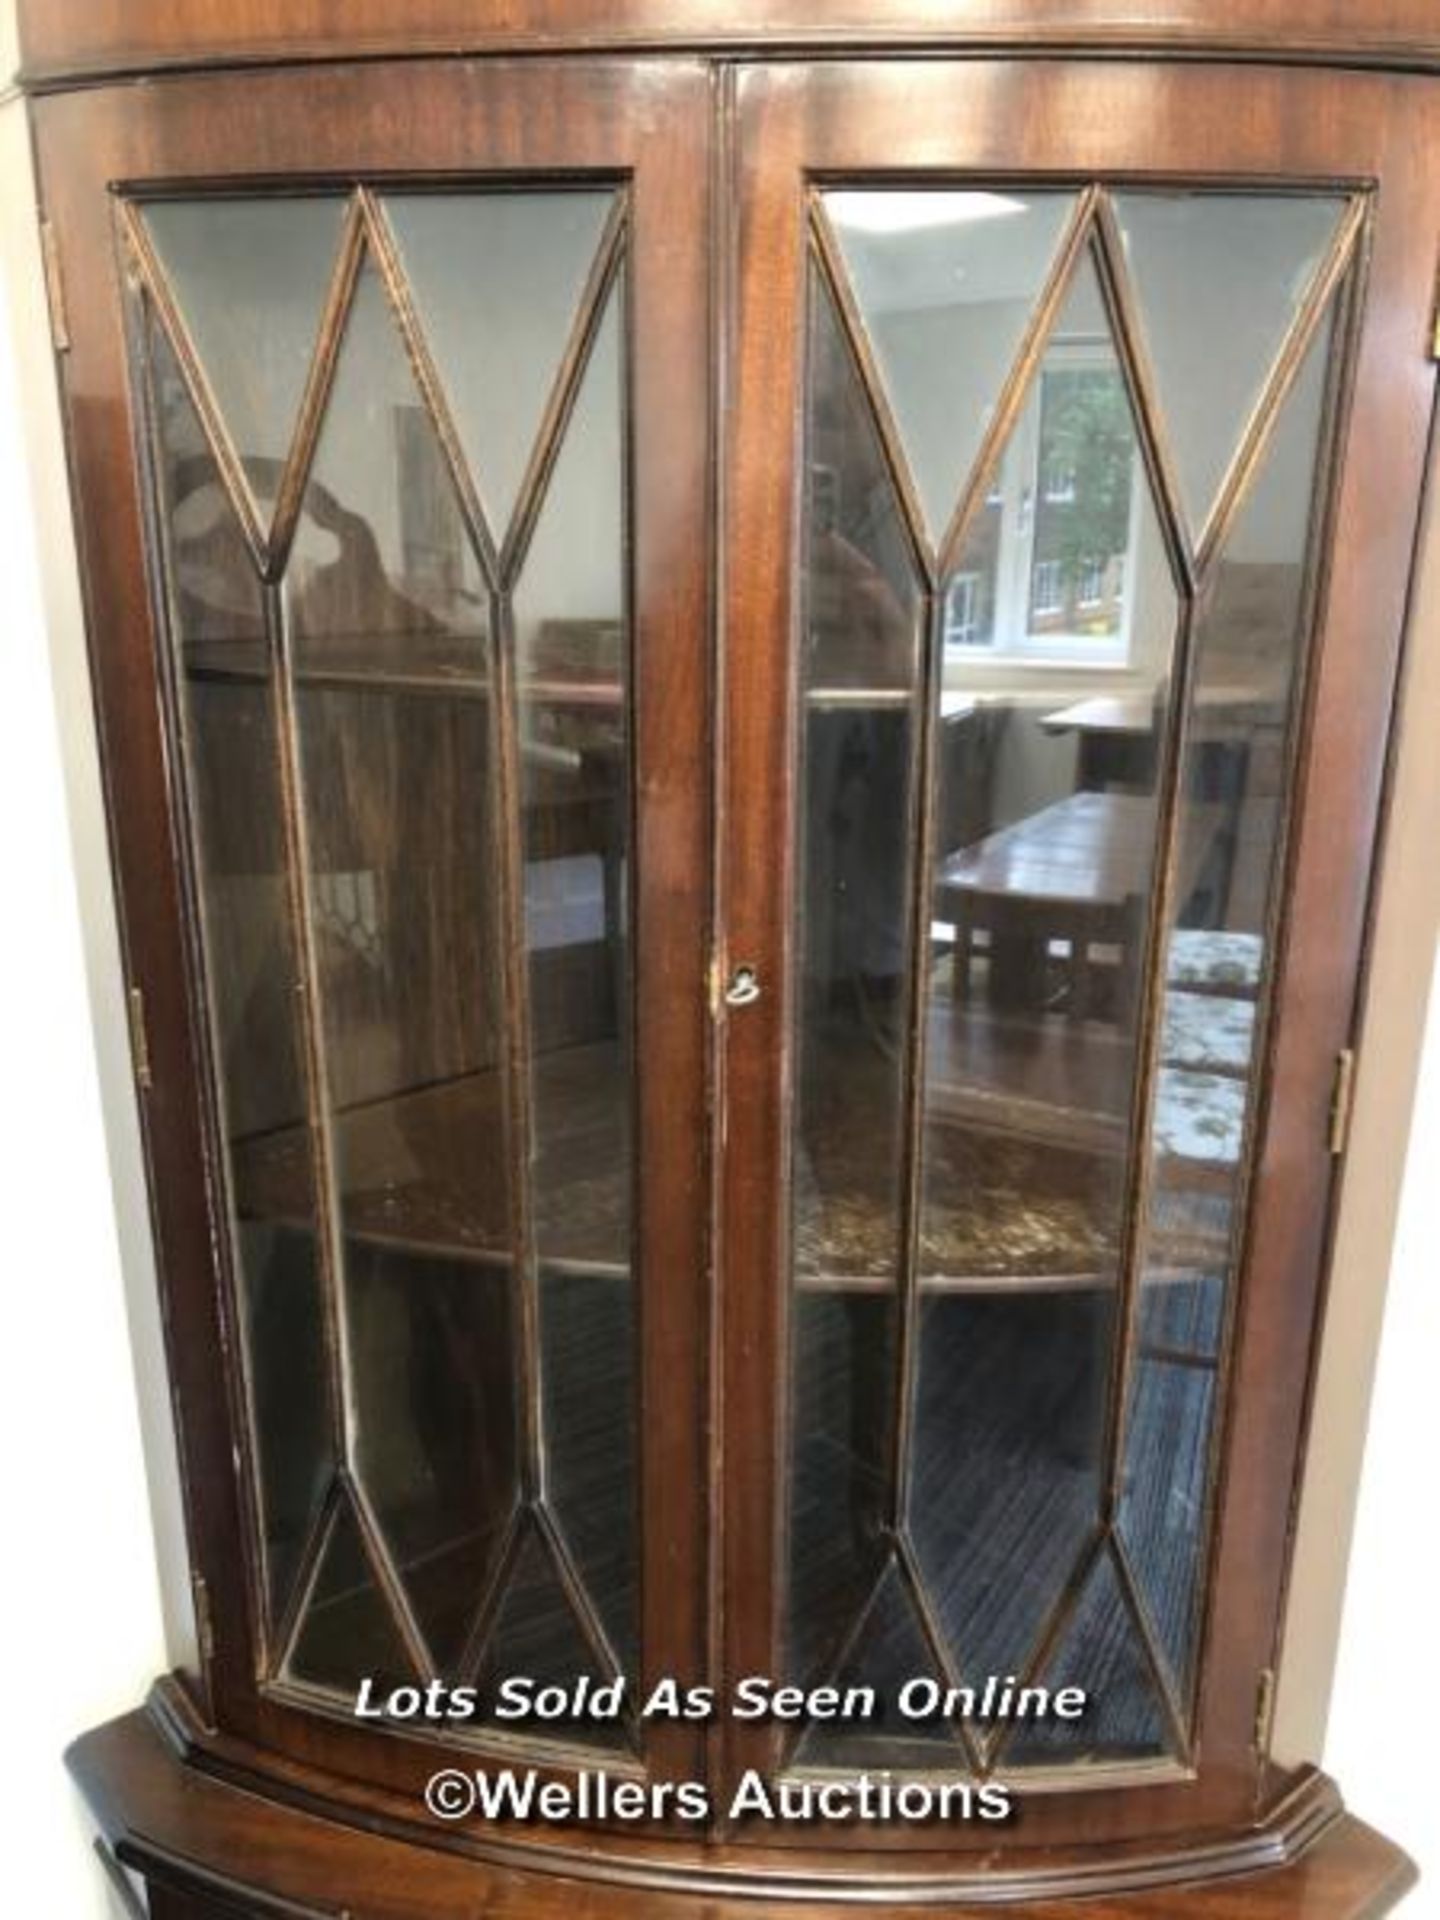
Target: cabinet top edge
69	43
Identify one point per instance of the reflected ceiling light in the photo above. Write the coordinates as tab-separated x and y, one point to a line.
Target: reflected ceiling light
908	212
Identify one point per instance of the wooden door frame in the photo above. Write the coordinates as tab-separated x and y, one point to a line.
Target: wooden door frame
1045	122
643	124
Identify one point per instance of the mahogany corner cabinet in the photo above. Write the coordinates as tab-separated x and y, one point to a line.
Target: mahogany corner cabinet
744	656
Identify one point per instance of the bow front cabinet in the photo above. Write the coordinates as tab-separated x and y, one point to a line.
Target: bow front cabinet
744	659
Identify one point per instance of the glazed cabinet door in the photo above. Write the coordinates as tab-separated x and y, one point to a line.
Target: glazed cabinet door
398	382
1078	432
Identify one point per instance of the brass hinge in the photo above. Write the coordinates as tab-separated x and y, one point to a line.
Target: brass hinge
204	1619
1342	1101
54	288
140	1040
1264	1710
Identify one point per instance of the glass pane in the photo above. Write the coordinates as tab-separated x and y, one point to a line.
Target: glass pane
389	618
888	1650
587	1337
1045	857
346	760
945	283
230	746
381	581
1249	640
1102	1653
859	680
286	1339
572	675
993	1452
536	1634
1045	851
1005	1494
497	279
250	279
432	1371
1084	494
348	1631
1223	271
1062	563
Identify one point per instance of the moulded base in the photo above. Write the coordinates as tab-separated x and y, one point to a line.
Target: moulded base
209	1850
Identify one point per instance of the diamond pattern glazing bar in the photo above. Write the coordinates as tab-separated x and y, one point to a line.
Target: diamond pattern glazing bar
945	283
250	278
409	870
1054	828
1219	280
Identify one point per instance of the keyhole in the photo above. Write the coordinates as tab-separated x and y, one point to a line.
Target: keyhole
744	988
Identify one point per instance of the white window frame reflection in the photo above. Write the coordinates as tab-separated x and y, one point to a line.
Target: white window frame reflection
962	610
1047	588
1021	587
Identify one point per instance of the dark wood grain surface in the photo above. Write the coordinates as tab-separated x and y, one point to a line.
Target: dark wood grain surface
646	123
60	38
216	1852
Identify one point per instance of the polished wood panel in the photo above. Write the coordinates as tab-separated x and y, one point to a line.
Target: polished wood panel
611	121
1008	123
67	38
211	1851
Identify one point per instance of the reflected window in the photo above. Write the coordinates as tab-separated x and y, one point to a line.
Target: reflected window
962	610
1053	545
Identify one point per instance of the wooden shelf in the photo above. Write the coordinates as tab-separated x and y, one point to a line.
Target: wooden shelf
390	663
1025	1144
412	1169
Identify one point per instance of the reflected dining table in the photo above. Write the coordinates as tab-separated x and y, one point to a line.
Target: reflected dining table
1069	885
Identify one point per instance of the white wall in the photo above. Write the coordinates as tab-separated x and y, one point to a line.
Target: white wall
1381	1743
84	1622
82	1607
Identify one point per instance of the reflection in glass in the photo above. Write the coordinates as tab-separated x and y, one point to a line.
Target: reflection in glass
1052	567
250	278
230	745
347	763
1006	1486
588	1383
1219	279
1044	868
964	1493
498	278
887	1651
348	1631
388	616
859	678
945	283
536	1633
1100	1652
1248	644
430	1347
571	684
